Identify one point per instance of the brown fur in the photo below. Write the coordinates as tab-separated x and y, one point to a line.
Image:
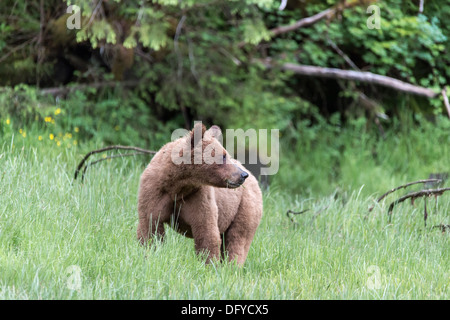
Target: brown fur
206	201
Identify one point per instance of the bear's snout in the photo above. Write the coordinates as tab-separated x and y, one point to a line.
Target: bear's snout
244	176
238	178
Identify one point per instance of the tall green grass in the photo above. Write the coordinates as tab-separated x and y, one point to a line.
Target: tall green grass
328	157
336	250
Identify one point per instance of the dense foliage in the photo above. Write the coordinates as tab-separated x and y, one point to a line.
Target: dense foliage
180	61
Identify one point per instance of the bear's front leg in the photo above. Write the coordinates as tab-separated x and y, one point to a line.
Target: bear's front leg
153	213
207	241
200	212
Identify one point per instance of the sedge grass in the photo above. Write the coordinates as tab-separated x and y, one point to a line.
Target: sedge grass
53	230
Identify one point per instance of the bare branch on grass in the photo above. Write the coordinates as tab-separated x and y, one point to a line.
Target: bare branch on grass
289	212
415	195
108	158
139	151
443	227
402	187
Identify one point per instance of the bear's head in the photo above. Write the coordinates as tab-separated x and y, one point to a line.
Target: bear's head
206	162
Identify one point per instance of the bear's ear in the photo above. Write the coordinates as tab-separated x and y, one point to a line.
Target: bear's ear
214	132
197	133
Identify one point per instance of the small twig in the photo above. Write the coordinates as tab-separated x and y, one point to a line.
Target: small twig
94	13
342	54
21	46
235	60
192	59
414	195
294	212
80	165
315	214
425	212
303	22
443	227
176	47
403	186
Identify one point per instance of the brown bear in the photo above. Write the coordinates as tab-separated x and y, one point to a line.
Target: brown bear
205	200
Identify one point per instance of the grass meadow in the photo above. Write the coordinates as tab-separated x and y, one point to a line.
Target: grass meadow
61	239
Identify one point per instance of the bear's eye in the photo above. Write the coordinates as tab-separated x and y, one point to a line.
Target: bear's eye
224	158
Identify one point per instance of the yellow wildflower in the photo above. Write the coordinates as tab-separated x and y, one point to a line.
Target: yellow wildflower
40	138
8	121
57	111
58	143
48	119
51	136
77	129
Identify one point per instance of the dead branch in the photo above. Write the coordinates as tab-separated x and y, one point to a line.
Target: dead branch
289	212
302	22
294	212
362	76
414	195
425	212
342	54
403	186
443	227
305	22
108	158
118	147
316	18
